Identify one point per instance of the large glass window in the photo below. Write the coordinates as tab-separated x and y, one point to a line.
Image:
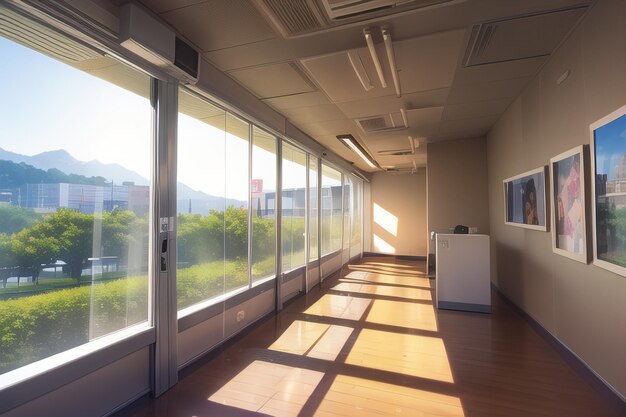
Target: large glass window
313	208
357	190
347	216
75	178
331	210
293	207
263	204
236	193
201	201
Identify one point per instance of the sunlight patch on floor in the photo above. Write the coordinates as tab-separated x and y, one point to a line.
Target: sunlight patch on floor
405	354
351	396
269	388
339	306
403	314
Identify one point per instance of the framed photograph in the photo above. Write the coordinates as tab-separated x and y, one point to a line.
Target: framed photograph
525	200
608	158
568	203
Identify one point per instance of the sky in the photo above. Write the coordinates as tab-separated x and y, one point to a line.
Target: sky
610	146
47	105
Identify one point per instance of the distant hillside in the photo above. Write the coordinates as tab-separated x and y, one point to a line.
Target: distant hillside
13	175
61	162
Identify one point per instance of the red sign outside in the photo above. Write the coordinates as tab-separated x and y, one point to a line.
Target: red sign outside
257	186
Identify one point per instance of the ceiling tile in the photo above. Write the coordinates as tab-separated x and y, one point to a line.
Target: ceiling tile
330	128
487	91
522	37
423	122
297	100
336	76
218	24
160	6
499	71
250	54
312	114
475	109
272	80
467	128
380	105
427	62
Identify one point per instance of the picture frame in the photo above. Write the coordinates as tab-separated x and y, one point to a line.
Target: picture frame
569	204
525	200
608	169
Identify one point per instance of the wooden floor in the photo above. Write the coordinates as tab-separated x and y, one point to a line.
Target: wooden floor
370	343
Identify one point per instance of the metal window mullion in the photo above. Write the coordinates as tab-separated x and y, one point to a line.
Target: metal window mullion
165	372
307	219
319	219
250	144
279	221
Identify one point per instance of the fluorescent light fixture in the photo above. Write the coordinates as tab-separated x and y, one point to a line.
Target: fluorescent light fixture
356	147
359	70
372	49
404	118
412	143
392	60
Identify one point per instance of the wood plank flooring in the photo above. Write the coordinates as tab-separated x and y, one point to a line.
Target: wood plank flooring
370	343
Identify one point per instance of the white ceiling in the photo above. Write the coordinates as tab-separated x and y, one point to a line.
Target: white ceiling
310	80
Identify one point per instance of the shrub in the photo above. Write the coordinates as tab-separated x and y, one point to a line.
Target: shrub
38	326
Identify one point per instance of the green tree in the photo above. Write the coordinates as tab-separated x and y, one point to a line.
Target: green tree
14	218
236	232
34	246
116	232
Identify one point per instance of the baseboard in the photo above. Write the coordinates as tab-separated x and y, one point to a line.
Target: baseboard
614	398
476	308
400	257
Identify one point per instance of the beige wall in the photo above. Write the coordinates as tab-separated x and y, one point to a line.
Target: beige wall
398	213
582	305
457	185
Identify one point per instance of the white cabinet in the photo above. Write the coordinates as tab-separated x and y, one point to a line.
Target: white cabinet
463	278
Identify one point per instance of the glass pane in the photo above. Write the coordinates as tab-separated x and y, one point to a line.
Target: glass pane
293	207
263	204
236	215
331	210
200	200
75	178
357	189
313	210
347	213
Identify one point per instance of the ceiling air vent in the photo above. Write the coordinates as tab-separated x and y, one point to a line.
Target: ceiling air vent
380	124
300	17
292	17
520	37
344	9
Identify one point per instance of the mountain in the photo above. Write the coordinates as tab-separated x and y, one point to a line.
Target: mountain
13	175
62	161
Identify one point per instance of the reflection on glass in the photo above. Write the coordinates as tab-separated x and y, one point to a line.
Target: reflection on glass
263	204
313	209
610	176
357	190
331	210
293	207
201	200
74	235
236	214
347	216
